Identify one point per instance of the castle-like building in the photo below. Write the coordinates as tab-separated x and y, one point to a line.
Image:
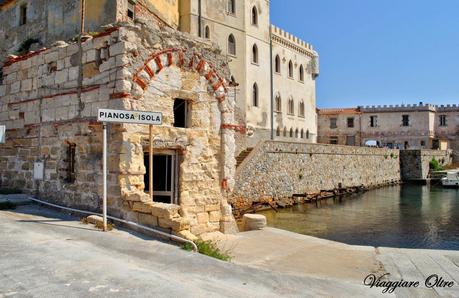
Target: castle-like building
418	126
273	72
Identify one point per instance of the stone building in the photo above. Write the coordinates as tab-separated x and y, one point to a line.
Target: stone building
339	126
49	100
283	108
256	51
422	126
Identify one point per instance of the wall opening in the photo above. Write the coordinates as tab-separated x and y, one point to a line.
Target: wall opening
165	176
182	113
131	10
70	161
23	14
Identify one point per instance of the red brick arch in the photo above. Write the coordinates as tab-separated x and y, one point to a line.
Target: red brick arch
166	58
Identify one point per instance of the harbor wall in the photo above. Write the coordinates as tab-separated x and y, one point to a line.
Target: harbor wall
277	170
414	164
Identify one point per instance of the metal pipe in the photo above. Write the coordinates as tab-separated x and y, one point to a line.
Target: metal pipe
104	203
172	237
150	165
83	7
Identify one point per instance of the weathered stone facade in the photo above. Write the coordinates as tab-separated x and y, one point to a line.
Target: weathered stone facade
280	169
49	102
252	63
422	126
414	164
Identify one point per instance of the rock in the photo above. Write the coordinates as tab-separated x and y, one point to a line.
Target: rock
95	219
253	222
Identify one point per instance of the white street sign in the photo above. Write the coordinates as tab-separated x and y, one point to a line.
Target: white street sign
123	116
2	134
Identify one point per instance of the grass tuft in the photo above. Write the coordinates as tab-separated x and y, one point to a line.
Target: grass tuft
210	249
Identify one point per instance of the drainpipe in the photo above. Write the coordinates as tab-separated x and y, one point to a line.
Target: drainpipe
199	18
272	83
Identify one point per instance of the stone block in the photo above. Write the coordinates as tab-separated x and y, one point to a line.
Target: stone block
202	217
215	216
51	57
176	224
90	70
62	76
142	207
253	222
148	220
163	210
26	85
73	73
212	207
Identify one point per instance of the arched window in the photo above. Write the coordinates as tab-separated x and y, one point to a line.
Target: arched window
278	132
278	105
296	133
255	95
301	112
277	64
232	6
285	131
254	16
290	69
291	132
307	134
207	32
301	73
291	107
302	133
255	54
231	45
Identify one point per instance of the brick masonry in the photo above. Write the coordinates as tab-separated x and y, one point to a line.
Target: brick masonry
49	102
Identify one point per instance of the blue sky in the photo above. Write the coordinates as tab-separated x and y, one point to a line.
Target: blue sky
378	51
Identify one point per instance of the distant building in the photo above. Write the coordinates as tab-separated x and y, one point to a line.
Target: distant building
402	126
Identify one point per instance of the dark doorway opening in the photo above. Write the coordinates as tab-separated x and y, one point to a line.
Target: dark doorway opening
181	113
165	177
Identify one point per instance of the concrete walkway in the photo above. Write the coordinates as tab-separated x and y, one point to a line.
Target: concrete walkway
46	254
291	253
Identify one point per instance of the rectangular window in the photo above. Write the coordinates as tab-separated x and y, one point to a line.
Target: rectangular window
350	140
182	113
333	123
443	120
166	167
350	122
405	120
23	14
334	140
71	150
373	121
131	10
1	77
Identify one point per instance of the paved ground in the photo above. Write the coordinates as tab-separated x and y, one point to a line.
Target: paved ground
46	254
287	252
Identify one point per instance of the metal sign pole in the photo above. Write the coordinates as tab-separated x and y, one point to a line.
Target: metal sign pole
105	175
150	164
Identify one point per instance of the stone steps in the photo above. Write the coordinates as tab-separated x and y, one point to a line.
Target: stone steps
242	156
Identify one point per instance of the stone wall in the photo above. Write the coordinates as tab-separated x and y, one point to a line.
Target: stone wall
414	164
49	103
280	169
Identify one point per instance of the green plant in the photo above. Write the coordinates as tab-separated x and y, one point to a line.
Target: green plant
25	45
434	165
386	156
208	248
